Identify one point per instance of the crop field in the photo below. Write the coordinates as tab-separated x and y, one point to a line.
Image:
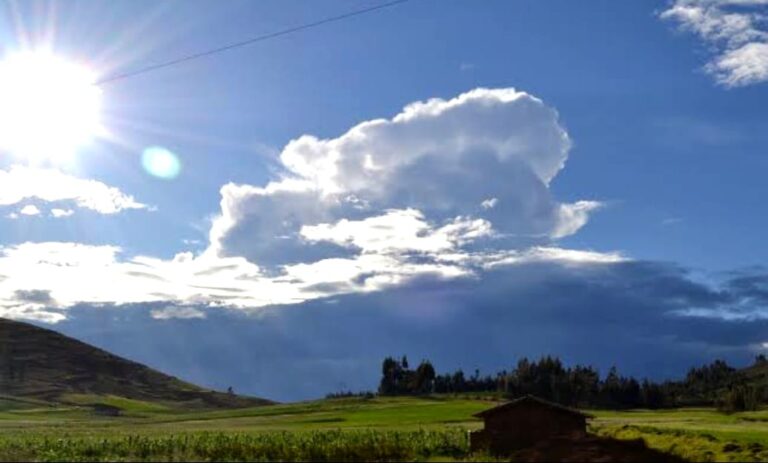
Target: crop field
380	429
330	445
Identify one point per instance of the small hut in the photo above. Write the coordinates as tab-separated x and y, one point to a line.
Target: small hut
524	422
106	410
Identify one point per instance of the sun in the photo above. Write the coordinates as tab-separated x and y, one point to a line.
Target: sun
49	107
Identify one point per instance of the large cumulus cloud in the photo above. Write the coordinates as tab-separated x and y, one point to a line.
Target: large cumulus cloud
486	156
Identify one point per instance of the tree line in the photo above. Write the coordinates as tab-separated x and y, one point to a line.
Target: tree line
716	384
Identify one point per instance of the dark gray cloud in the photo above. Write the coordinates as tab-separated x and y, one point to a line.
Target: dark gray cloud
752	286
625	314
36	296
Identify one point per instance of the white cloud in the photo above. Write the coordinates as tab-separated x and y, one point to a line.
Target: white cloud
31	304
181	312
22	183
32	312
489	203
573	217
445	189
398	231
736	30
73	274
59	213
745	65
438	159
29	209
566	257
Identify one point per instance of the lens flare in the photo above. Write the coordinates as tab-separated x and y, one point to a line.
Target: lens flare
161	163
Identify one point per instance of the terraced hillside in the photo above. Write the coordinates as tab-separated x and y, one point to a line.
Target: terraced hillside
40	364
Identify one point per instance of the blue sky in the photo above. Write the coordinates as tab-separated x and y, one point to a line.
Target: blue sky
623	143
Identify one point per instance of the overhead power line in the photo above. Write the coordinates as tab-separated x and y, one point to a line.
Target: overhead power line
261	38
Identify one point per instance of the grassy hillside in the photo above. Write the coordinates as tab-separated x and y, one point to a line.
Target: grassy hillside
757	374
40	364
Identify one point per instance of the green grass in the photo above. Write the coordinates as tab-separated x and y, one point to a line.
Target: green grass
127	405
387	413
405	428
15	403
694	434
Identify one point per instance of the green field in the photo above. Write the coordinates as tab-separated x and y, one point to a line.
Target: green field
430	428
695	434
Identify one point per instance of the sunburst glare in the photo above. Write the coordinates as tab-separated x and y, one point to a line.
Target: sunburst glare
50	107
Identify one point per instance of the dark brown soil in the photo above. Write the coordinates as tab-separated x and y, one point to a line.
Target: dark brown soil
592	449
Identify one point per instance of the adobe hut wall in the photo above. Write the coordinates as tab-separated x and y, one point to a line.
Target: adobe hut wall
525	426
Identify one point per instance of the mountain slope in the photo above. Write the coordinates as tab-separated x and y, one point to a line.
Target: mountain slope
42	364
757	374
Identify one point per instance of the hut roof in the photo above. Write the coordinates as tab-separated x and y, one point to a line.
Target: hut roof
528	400
106	409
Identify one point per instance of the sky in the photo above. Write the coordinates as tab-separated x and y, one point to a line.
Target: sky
469	183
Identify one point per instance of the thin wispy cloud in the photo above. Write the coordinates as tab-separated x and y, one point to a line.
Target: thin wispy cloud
20	183
177	312
736	32
672	221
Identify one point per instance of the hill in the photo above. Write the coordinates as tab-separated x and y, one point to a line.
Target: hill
41	364
757	374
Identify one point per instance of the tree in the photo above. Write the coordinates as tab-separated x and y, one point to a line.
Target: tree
652	395
390	373
610	392
738	399
581	386
458	383
425	378
585	382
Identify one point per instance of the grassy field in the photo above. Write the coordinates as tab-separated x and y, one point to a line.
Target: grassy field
694	434
342	429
